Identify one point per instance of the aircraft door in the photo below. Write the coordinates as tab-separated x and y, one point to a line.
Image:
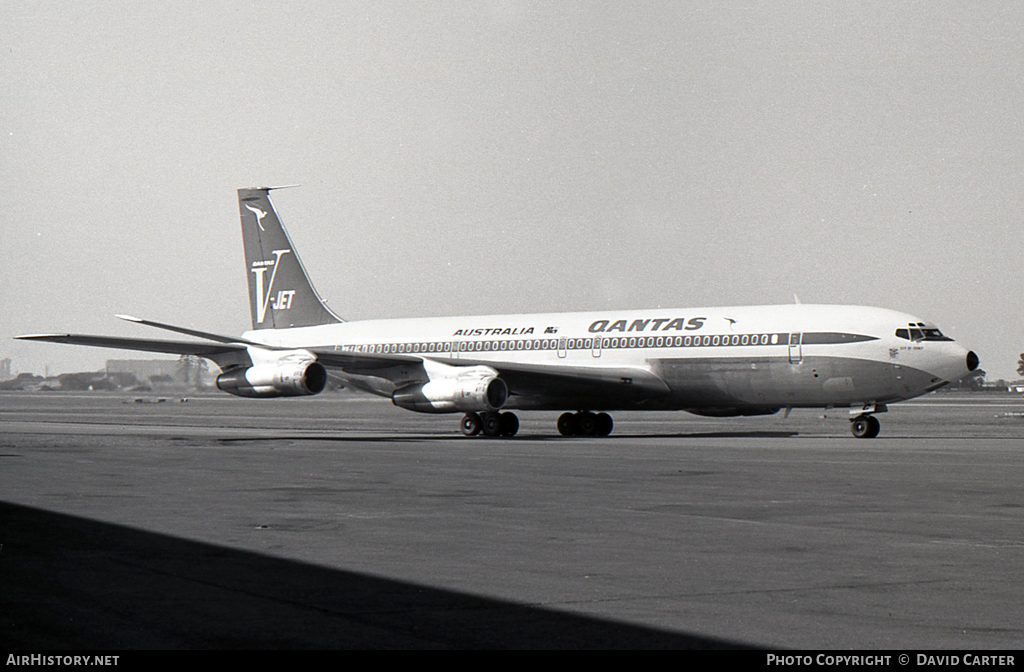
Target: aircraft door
596	349
796	354
562	348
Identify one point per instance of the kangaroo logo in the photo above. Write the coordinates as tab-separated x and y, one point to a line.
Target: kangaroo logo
259	215
283	301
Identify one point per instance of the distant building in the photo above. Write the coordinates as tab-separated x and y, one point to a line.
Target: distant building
159	371
144	369
5	369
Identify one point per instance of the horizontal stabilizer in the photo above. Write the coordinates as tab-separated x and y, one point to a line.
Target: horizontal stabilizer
189	332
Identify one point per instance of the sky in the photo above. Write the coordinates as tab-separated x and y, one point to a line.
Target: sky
501	157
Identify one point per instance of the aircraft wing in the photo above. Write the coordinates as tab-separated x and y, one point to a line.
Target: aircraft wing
225	352
218	352
538	382
530	380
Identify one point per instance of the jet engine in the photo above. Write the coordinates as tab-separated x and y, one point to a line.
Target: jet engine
447	395
279	379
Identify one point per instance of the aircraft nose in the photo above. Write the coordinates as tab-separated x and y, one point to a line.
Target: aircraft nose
953	362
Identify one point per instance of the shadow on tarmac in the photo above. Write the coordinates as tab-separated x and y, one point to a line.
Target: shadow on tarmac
72	583
757	434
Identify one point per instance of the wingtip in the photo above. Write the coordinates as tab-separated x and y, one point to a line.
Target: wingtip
36	337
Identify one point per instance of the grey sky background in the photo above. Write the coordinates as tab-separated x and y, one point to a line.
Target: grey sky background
461	158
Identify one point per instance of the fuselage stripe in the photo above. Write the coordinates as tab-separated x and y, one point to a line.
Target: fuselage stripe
607	343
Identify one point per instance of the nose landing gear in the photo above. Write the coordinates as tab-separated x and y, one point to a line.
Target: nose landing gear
864	425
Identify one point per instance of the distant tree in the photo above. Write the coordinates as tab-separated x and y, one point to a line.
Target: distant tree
1020	365
973	381
192	369
85	380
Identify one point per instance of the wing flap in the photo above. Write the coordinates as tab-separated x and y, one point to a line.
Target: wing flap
361	363
586	381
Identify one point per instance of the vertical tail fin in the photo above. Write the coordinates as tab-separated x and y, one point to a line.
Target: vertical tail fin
280	293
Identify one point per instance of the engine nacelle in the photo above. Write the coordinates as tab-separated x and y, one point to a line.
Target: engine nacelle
448	395
288	379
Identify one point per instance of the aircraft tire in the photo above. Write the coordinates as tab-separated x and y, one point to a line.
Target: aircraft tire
604	424
567	424
470	424
491	424
865	427
509	424
587	423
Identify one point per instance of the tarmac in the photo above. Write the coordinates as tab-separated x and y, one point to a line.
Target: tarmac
340	521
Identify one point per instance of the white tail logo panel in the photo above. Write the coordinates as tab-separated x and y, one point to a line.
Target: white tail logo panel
283	300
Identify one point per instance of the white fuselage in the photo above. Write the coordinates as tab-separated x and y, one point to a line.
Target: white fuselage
719	359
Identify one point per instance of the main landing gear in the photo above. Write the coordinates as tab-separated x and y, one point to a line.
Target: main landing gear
490	424
585	423
495	423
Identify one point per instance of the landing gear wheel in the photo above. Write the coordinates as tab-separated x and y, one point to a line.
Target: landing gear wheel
491	424
587	423
567	424
509	423
865	427
470	424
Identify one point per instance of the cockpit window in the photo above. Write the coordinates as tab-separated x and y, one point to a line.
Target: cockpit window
935	335
919	332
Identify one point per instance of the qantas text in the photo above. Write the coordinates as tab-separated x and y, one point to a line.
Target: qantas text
660	324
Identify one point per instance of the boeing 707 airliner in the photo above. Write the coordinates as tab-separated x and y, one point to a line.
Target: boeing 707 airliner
720	362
